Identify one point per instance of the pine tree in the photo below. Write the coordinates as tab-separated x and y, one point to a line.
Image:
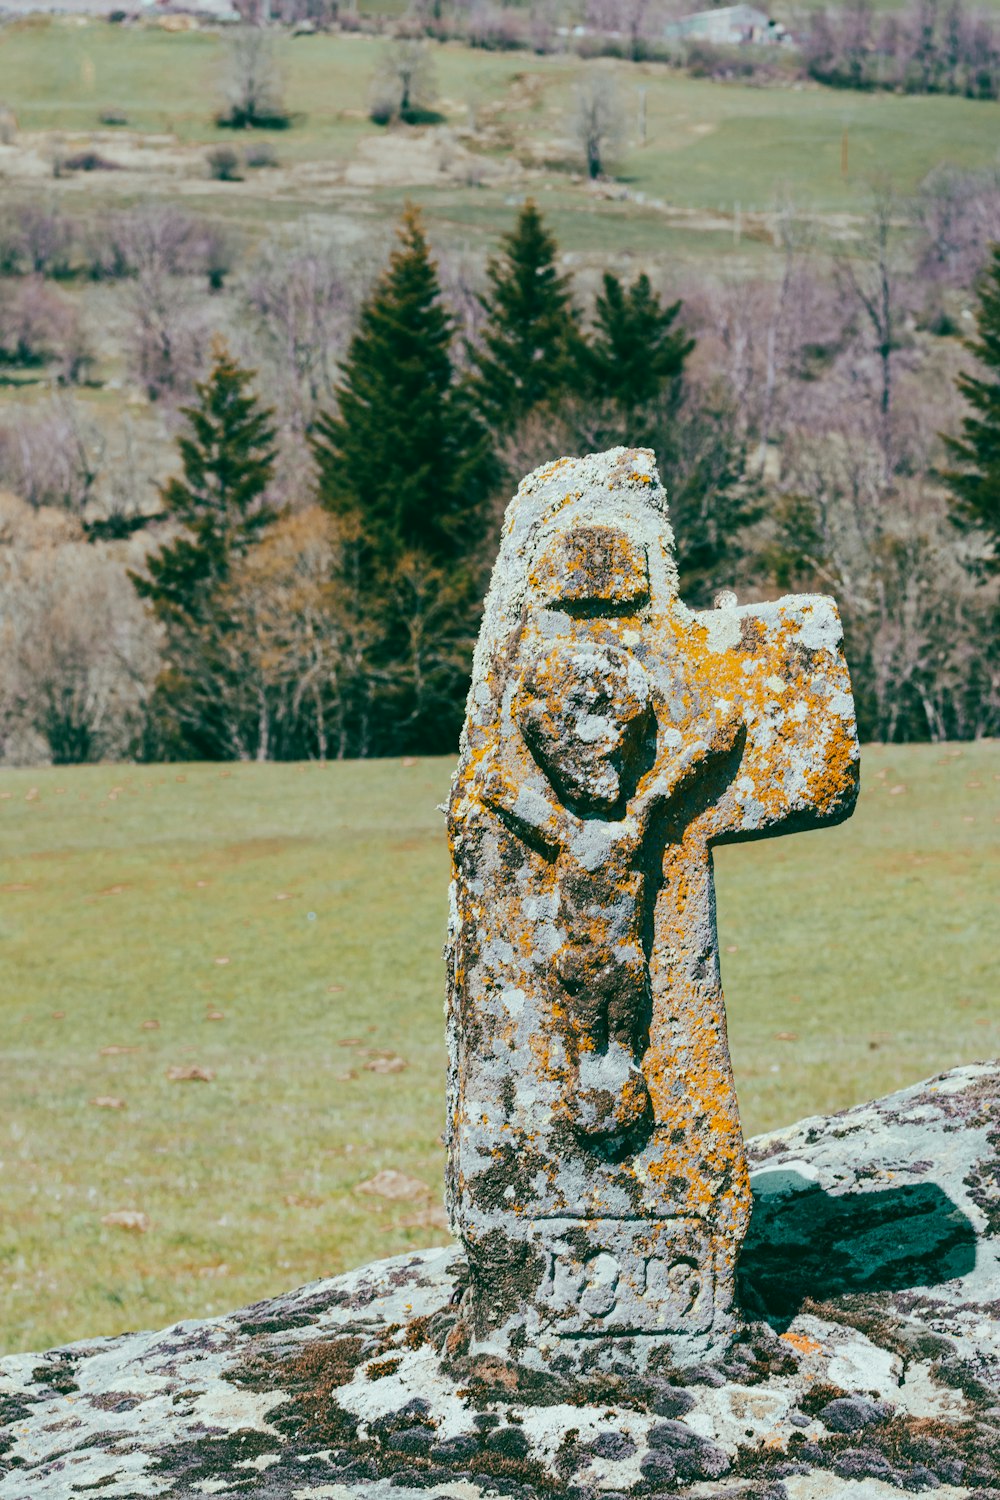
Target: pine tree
403	467
531	340
635	351
975	481
227	459
400	456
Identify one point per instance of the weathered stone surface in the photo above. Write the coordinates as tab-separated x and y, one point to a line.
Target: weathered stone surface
597	1174
874	1253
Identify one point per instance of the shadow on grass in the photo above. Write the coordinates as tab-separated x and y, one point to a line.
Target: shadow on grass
807	1243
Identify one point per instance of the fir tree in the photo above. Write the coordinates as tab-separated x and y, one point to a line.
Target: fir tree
531	340
227	459
975	481
400	456
403	468
635	351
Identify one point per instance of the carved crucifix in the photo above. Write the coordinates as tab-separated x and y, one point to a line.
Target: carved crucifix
613	737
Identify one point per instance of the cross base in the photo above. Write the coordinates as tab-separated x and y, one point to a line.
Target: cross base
590	1294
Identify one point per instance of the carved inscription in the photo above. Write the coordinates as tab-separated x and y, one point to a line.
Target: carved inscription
609	1277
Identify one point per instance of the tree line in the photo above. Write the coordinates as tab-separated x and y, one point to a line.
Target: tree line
309	581
345	628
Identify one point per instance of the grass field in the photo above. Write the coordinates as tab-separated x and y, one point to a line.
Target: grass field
282	926
709	147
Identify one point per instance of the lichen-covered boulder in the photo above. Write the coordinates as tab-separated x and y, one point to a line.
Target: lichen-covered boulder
870	1365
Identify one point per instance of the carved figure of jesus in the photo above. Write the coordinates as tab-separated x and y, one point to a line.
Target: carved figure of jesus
596	1168
588	787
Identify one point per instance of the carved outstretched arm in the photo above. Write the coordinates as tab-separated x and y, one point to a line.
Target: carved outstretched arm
711	735
526	801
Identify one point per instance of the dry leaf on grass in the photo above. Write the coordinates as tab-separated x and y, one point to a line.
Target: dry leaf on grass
215	1015
386	1064
190	1075
222	960
349	1041
116	1051
127	1218
108	1101
392	1184
786	1036
347	1077
150	1025
301	1200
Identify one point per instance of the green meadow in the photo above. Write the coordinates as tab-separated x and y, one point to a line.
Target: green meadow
279	928
710	149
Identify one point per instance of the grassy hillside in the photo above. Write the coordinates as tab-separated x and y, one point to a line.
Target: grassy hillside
281	927
709	147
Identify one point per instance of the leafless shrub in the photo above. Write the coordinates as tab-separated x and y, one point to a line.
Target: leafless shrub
253	83
927	49
958	217
78	655
260	155
598	121
161	241
404	86
497	28
51	455
634	22
914	619
224	164
89	161
36	239
36	323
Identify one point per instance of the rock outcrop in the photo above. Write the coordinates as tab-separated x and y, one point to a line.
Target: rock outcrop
869	1364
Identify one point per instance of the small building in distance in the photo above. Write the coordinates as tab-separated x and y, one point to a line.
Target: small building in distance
727	26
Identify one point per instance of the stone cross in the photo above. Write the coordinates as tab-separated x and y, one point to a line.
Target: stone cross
596	1166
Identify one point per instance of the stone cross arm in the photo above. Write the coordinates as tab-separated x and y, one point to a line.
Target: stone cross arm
782	668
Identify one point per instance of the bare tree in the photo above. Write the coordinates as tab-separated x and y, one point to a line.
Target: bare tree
168	336
872	284
276	680
958	217
404	84
78	656
598	120
52	455
253	82
301	300
36	323
631	19
36	238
